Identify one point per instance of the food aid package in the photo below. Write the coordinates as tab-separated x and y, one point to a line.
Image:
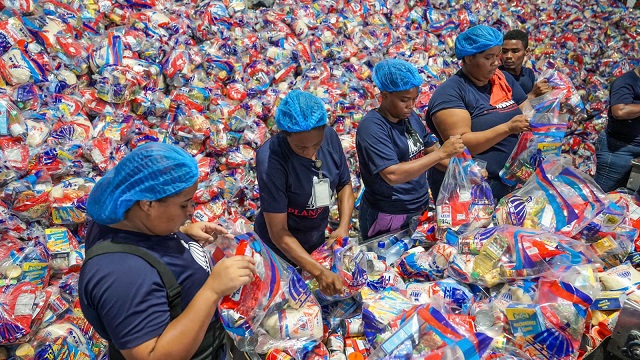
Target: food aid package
427	265
553	326
275	310
345	258
61	340
432	334
465	198
380	308
509	253
548	127
559	198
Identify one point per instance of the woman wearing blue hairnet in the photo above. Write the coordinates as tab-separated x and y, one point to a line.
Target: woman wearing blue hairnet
299	170
480	103
395	151
146	287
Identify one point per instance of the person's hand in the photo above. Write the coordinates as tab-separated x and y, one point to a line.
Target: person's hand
518	124
230	274
452	147
339	233
330	283
203	232
540	88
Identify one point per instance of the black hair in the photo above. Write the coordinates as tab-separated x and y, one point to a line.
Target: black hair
517	35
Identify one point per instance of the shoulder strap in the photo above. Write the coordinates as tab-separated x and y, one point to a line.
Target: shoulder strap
173	289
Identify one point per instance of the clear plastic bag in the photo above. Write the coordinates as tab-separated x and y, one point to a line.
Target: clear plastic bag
465	199
276	310
431	334
559	198
345	258
548	127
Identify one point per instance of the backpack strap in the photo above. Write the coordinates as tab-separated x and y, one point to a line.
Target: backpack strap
173	289
215	335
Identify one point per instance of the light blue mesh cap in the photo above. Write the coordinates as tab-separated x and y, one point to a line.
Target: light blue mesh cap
394	75
150	172
300	111
476	40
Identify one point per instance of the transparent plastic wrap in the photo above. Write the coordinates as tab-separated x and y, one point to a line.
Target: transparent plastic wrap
430	334
20	263
559	198
16	302
379	308
427	265
548	127
465	199
553	327
506	253
345	258
276	310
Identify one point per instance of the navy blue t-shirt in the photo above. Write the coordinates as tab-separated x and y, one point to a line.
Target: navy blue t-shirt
123	297
459	92
285	180
526	79
381	143
625	90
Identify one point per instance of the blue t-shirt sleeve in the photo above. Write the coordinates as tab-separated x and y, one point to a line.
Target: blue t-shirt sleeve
132	309
344	177
531	75
622	92
272	181
376	145
447	96
518	94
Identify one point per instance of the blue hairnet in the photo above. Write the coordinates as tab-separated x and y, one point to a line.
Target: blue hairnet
150	172
476	40
300	111
393	75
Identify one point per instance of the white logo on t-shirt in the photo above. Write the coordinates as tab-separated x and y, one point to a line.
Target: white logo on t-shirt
198	254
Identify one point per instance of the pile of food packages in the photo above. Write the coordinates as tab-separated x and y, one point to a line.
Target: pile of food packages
541	274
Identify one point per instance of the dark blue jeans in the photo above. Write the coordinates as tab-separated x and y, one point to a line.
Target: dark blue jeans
613	164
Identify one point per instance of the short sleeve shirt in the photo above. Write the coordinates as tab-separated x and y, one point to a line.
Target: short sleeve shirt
123	297
381	143
285	180
526	79
459	92
625	90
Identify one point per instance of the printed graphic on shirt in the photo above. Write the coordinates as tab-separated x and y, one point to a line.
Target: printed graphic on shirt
198	254
416	145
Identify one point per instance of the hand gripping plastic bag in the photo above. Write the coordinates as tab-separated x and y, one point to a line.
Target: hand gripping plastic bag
548	127
559	198
345	258
465	198
275	310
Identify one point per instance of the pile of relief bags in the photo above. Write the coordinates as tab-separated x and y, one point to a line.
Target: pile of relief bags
82	82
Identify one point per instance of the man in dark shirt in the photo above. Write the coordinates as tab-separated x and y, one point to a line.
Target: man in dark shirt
620	143
514	49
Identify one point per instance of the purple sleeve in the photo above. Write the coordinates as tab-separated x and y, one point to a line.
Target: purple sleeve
129	303
272	181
